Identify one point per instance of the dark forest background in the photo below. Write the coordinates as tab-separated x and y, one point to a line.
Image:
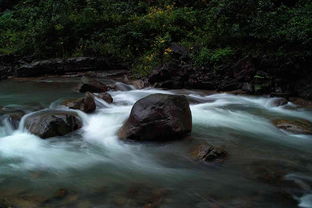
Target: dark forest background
140	33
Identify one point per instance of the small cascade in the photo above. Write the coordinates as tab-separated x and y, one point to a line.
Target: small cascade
242	124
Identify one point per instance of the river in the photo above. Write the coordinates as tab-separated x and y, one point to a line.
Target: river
265	167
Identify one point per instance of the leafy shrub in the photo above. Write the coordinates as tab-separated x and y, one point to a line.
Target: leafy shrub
132	31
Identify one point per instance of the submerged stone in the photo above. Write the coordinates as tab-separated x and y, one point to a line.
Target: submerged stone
208	153
294	126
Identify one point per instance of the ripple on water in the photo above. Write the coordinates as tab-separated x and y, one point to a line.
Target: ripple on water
94	157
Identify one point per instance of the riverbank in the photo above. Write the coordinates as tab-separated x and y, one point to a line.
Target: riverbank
243	78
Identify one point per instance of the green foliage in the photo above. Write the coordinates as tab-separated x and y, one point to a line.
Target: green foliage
140	33
212	57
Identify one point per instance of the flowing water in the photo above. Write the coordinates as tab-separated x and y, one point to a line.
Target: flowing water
265	167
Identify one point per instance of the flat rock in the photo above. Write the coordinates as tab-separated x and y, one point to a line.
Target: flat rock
294	126
208	153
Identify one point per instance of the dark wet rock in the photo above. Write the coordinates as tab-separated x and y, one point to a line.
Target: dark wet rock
180	73
61	66
122	87
198	100
39	68
14	118
208	153
158	117
52	123
85	104
301	102
170	75
279	102
138	84
92	85
253	75
294	126
229	85
106	97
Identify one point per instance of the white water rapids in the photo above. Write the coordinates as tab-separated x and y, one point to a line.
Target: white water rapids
242	124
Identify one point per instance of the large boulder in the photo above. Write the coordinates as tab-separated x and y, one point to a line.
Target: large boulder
92	85
85	104
48	124
158	117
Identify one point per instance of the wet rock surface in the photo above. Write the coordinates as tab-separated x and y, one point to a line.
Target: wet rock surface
105	96
158	117
62	66
208	153
85	104
12	115
92	85
294	126
48	124
279	102
252	75
14	118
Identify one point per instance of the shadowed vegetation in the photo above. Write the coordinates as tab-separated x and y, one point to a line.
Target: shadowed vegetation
140	33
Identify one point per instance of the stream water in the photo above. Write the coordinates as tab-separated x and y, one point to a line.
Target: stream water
265	167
